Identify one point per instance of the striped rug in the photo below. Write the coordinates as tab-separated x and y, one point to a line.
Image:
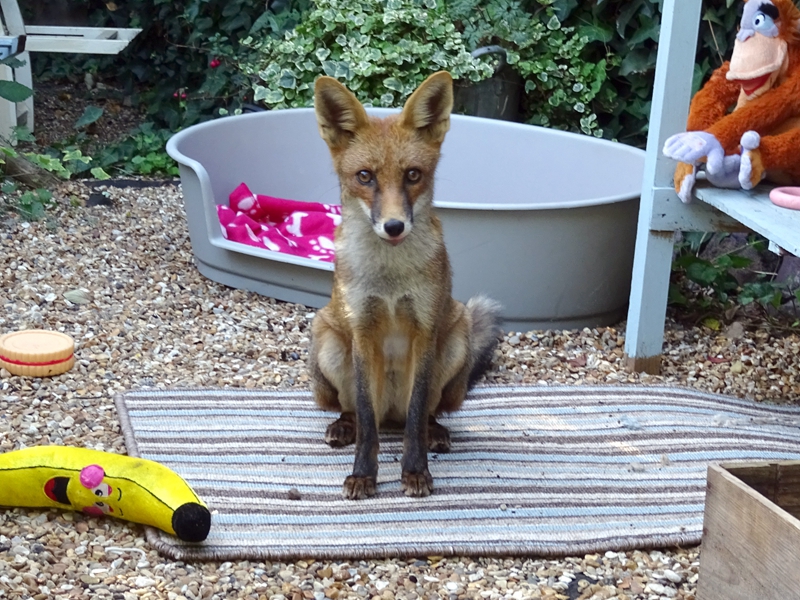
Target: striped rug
533	470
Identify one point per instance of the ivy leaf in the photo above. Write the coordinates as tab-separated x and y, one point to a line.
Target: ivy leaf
89	116
393	84
274	97
638	61
14	92
702	272
596	33
99	173
329	67
648	30
287	79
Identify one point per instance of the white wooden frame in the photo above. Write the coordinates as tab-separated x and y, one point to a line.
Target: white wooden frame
79	40
662	213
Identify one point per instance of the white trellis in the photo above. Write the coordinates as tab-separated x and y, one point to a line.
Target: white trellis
83	40
662	213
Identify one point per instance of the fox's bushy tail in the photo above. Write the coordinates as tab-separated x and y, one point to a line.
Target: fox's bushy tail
485	334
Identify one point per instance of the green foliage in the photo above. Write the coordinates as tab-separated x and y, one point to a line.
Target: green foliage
31	205
381	49
179	43
140	153
560	84
628	30
89	116
714	278
14	92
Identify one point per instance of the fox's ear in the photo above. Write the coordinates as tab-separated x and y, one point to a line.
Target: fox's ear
428	108
339	113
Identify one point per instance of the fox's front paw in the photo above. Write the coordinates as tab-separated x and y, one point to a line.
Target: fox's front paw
342	432
358	488
417	485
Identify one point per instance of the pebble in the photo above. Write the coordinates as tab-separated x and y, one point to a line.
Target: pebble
150	320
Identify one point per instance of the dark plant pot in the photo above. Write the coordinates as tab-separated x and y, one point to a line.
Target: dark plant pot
495	98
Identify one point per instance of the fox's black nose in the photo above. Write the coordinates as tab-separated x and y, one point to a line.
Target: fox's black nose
394	227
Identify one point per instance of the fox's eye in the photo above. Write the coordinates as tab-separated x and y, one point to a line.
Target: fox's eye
364	177
413	175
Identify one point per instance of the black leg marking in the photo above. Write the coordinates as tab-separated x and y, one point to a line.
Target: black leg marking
361	484
416	479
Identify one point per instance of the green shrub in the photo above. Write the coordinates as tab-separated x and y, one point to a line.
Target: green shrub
174	53
560	84
616	38
629	29
381	49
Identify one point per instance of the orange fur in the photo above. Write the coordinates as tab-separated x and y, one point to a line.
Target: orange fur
768	114
392	346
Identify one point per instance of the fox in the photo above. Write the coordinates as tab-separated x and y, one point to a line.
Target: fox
393	347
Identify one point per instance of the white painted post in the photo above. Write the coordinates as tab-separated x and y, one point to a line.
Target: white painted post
644	337
12	18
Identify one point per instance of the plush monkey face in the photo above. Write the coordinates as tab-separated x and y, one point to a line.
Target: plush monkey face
758	17
759	53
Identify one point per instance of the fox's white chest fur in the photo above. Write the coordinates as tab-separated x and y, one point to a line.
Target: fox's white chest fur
391	274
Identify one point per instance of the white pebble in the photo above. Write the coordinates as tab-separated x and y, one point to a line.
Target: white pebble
655	588
672	576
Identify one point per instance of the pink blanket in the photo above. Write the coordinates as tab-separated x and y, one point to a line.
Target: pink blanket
299	228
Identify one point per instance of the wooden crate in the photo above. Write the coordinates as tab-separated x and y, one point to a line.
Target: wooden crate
751	532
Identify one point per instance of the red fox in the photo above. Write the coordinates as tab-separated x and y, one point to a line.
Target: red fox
393	346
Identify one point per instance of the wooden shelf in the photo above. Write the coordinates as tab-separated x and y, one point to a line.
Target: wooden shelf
755	211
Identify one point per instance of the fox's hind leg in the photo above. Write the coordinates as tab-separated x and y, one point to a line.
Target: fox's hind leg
332	384
438	436
465	352
342	432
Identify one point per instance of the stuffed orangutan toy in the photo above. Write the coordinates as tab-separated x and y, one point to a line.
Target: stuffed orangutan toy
760	137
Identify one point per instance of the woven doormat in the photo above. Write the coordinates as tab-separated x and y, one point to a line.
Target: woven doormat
533	470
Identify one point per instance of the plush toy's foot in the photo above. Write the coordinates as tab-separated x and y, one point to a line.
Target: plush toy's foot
751	169
685	176
728	177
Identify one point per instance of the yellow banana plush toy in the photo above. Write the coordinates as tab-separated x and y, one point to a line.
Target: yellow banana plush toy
102	483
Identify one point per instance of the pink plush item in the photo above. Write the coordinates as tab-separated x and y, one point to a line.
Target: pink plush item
291	226
787	197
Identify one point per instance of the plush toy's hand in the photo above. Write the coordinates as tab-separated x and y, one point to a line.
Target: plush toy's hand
728	175
694	146
751	170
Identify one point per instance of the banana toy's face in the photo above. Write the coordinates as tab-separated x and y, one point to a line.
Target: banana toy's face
88	492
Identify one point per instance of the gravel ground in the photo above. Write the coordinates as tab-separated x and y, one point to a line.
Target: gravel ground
148	318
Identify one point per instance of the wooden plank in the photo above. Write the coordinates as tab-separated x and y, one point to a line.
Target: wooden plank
670	214
755	210
8	110
12	17
102	33
750	545
75	45
777	482
653	255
